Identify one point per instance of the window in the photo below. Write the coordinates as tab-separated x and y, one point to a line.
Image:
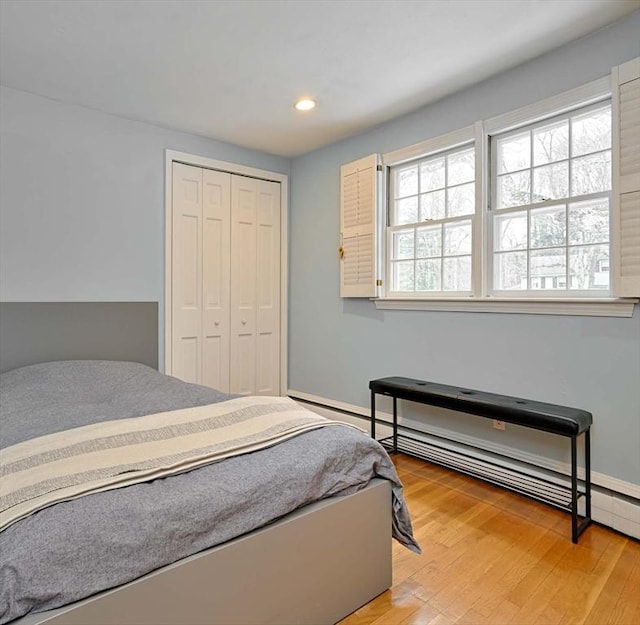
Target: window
540	230
535	210
432	201
551	184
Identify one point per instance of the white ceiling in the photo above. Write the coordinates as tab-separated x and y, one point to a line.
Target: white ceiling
231	70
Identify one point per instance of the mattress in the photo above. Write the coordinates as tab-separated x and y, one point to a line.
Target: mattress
76	548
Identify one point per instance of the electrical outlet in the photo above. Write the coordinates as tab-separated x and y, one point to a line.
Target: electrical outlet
499	425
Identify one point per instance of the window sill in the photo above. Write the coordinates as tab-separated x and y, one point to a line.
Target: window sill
609	307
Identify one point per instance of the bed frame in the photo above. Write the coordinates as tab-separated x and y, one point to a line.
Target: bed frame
314	566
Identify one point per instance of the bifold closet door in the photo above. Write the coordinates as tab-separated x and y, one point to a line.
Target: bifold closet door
200	276
216	279
255	286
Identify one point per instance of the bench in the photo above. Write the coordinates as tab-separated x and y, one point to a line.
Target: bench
561	420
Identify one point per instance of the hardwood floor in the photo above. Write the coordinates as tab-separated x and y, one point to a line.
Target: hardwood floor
493	557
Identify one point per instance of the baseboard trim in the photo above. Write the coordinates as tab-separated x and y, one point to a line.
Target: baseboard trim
615	502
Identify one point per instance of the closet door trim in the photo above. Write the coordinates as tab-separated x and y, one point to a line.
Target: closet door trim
173	156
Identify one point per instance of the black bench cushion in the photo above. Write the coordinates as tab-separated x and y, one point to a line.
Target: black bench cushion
534	414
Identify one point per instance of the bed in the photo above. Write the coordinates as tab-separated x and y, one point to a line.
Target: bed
293	532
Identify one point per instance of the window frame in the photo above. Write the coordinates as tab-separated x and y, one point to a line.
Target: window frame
481	298
493	209
441	145
391	228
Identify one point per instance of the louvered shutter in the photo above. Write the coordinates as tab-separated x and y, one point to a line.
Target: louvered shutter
626	180
358	192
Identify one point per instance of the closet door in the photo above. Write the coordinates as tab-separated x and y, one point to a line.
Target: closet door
255	286
216	279
244	209
225	275
268	290
186	273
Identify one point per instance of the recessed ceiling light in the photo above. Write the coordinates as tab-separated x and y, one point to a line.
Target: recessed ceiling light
305	104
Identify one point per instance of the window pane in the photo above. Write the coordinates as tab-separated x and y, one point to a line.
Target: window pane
432	205
513	153
514	189
406	181
428	275
403	275
591	132
589	267
550	182
551	143
510	232
457	274
589	222
457	238
432	175
591	174
403	244
429	242
510	271
548	226
406	211
548	269
460	167
461	200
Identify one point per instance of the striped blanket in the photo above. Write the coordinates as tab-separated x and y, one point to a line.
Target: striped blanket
69	464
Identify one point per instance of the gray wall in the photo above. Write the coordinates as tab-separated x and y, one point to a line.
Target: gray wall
336	346
82	201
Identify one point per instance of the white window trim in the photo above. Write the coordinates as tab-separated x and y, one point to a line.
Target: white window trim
448	141
600	307
480	132
587	94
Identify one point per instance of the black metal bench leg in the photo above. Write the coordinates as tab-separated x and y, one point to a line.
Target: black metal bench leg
373	415
395	425
574	490
587	473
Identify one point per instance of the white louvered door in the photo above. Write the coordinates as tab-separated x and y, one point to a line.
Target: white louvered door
626	180
225	281
358	228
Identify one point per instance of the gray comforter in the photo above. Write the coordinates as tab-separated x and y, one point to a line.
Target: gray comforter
77	548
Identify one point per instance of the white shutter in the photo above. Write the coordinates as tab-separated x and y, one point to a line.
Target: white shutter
626	180
358	193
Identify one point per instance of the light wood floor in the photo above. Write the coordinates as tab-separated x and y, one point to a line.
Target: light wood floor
493	557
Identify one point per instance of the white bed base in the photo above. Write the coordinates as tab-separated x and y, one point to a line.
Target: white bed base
313	566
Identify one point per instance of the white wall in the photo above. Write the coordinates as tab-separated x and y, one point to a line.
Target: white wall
82	201
336	346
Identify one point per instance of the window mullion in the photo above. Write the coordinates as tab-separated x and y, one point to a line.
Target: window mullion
566	247
531	167
570	168
567	272
481	254
415	239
